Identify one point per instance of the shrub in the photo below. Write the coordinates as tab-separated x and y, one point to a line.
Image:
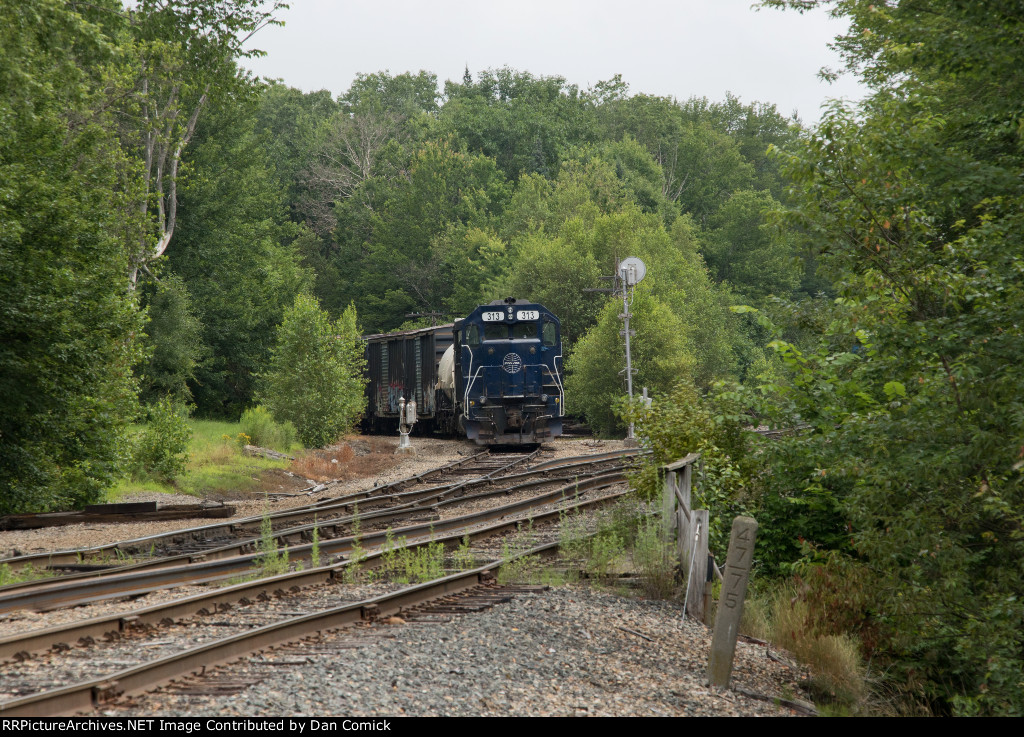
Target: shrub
684	422
659	351
656	560
261	429
161	448
316	377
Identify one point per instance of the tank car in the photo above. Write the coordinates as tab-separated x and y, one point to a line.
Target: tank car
494	376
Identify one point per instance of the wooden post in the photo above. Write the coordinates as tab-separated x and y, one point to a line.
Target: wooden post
697	582
668	505
683	539
730	603
676	498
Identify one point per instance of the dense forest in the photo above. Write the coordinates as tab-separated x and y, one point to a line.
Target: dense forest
162	213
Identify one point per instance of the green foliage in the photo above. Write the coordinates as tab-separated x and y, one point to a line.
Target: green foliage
683	422
234	249
174	337
161	448
314	552
357	554
916	199
754	257
315	379
464	558
261	429
68	325
272	560
659	353
25	573
523	122
555	274
418	564
656	559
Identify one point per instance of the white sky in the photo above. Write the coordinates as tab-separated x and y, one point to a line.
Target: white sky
682	49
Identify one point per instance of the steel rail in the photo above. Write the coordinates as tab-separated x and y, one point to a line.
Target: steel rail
60	593
87	695
555	462
22	646
304	533
290	535
56	559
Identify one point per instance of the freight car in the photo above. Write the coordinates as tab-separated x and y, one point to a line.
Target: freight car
494	377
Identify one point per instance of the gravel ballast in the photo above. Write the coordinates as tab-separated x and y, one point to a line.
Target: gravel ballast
566	651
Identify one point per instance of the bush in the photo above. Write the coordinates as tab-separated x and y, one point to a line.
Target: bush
316	376
684	422
261	429
161	448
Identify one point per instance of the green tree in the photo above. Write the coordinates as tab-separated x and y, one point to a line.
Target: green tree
316	375
393	258
917	200
174	342
755	257
185	61
522	122
659	353
555	274
235	250
69	328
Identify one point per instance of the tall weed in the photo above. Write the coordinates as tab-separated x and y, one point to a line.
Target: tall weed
263	430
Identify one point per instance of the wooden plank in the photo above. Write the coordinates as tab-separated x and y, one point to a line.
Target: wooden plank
668	505
697	583
683	539
57	519
125	508
682	463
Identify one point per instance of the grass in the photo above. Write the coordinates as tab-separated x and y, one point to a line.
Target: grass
463	555
216	466
272	561
10	575
838	677
401	564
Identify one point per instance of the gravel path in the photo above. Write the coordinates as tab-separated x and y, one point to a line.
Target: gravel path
563	652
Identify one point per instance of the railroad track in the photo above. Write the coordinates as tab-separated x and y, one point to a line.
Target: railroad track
216	540
88	587
147	656
542	496
427	512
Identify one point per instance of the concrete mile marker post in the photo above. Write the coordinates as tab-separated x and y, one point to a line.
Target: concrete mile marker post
730	603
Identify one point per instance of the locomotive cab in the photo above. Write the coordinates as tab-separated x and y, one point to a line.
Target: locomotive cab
507	373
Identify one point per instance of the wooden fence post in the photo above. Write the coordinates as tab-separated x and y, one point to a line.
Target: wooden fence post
668	504
698	567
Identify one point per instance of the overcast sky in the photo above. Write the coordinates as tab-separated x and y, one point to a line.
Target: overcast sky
680	48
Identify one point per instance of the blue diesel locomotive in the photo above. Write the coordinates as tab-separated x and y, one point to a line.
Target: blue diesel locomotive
494	376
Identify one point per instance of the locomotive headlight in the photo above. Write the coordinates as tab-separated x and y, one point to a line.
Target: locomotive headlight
483	399
544	398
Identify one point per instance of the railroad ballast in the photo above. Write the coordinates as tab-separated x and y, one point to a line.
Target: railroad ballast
494	376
